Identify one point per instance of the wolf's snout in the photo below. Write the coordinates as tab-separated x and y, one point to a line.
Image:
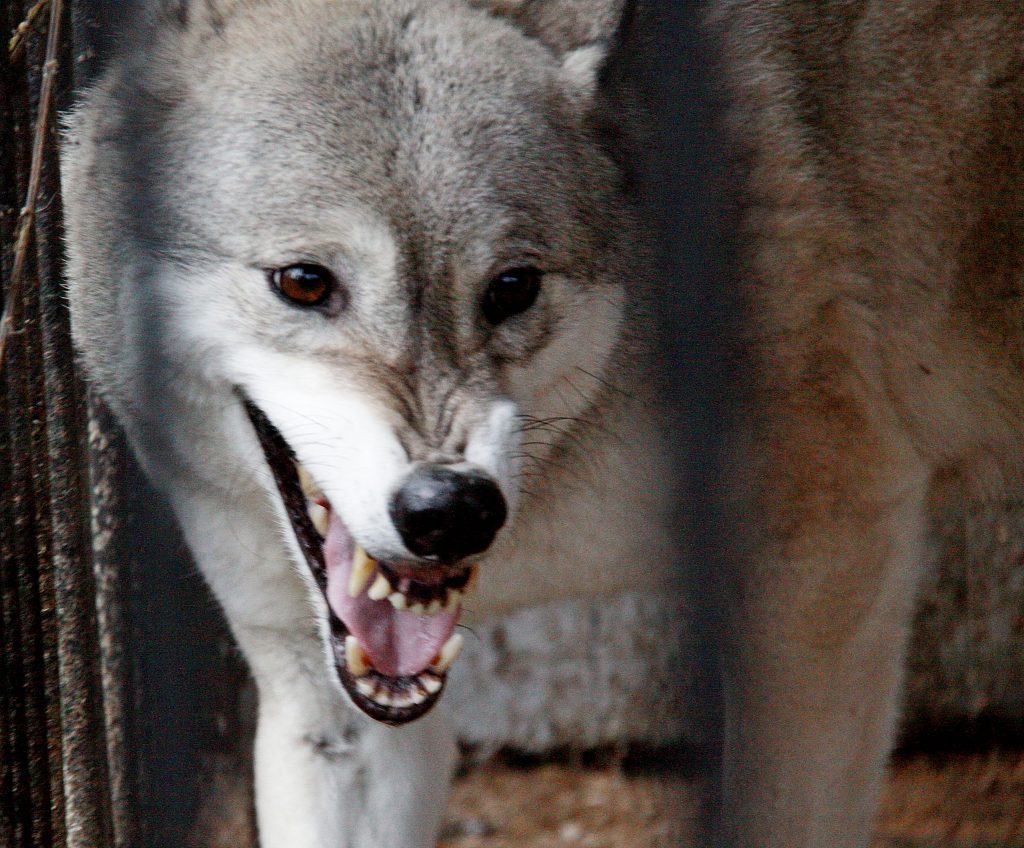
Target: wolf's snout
447	514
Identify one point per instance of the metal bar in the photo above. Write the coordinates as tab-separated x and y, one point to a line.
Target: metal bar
55	788
111	563
27	730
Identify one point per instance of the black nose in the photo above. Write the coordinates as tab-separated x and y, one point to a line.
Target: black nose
447	514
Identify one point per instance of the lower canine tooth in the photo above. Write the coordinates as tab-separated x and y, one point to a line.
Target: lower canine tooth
362	569
398	600
431	684
454	599
449	653
320	518
380	588
355	657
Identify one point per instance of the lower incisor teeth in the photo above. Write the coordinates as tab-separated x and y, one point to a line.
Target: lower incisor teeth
449	653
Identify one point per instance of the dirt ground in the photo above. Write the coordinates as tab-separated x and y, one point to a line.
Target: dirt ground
963	801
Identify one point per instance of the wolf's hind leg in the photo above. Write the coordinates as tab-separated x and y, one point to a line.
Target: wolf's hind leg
326	776
829	568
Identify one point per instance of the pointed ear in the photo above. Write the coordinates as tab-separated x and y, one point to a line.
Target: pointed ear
580	32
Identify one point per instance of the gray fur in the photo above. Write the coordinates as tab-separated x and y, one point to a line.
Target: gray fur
415	147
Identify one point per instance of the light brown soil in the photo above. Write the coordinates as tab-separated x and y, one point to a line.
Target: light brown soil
956	802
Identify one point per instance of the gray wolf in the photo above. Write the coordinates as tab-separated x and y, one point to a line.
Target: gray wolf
360	279
883	228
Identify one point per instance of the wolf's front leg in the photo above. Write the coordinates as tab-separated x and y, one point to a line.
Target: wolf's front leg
822	620
354	785
326	776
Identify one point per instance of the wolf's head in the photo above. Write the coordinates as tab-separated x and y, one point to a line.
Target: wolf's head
387	237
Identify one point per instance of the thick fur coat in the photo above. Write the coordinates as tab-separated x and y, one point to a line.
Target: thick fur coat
415	154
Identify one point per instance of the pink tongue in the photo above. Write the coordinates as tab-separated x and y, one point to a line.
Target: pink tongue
398	642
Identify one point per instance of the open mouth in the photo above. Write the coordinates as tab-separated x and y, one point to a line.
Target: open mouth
392	625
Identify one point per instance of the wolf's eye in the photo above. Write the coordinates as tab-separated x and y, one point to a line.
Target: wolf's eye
511	292
304	284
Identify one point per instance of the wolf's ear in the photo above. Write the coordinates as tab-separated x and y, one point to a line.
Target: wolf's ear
580	32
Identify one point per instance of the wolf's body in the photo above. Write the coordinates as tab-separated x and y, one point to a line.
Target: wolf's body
414	148
884	234
885	344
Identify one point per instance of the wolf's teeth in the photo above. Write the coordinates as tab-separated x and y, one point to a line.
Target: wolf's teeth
320	517
380	588
402	701
310	489
454	599
449	653
363	566
431	684
398	600
355	657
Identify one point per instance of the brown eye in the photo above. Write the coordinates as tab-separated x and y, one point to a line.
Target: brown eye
511	292
304	284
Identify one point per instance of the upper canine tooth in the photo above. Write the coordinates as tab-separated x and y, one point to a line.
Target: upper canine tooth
355	657
310	489
362	568
449	653
380	588
398	600
320	518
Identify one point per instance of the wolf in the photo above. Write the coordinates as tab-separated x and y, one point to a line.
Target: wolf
362	281
883	347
